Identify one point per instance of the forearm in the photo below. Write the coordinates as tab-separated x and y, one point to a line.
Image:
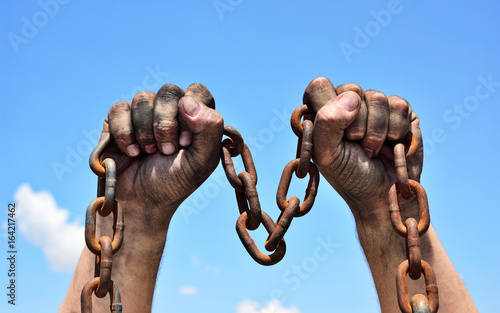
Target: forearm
134	266
385	250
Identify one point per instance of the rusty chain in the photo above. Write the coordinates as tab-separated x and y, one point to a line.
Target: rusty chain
413	266
251	215
105	247
244	184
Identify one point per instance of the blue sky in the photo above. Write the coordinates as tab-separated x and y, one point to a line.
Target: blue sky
64	63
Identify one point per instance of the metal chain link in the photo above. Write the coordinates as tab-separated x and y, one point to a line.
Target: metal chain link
105	247
251	215
411	230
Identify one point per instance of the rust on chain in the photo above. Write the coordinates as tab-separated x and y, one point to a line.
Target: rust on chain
104	204
90	287
252	198
94	160
296	118
105	266
401	171
430	287
284	185
236	140
244	184
109	187
423	209
413	246
411	144
228	165
305	149
250	246
90	227
284	221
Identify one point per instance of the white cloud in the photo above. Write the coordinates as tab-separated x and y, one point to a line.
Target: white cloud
46	225
274	306
188	290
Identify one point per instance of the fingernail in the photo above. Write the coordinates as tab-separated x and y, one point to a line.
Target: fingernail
167	148
185	138
133	150
191	106
369	152
349	103
150	148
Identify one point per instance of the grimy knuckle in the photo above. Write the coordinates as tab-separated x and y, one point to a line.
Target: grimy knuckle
214	118
375	97
399	105
143	96
351	87
118	108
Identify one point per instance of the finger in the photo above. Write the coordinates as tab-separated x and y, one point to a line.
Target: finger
319	91
142	120
377	122
121	128
356	131
165	113
399	118
205	127
329	126
203	96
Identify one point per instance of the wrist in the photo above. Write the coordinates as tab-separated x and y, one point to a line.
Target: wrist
374	214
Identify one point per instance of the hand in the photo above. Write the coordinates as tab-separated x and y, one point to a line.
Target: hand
174	139
354	131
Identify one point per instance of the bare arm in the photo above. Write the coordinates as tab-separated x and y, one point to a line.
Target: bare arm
352	131
174	139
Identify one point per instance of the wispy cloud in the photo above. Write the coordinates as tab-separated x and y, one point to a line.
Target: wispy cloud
46	225
188	290
273	306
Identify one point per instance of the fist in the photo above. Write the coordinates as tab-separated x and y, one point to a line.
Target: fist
173	138
354	132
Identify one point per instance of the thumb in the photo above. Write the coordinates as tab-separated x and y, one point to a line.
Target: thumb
329	126
201	132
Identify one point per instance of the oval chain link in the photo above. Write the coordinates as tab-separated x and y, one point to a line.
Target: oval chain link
411	230
251	215
105	247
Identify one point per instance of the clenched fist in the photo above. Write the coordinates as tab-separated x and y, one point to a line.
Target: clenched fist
173	138
354	130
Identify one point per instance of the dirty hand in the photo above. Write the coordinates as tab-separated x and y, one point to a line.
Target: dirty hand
173	138
353	132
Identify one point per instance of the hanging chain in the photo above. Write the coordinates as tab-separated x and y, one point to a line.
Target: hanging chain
105	247
244	184
414	266
251	215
